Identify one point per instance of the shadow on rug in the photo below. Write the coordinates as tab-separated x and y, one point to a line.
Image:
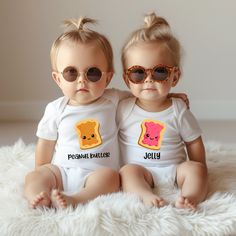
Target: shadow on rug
119	213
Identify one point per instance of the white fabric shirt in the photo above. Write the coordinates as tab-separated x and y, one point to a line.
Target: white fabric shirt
155	138
59	123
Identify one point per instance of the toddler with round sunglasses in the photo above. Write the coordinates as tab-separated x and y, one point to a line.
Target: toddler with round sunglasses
154	129
78	131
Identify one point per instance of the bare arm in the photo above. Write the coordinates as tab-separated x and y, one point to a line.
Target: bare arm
196	151
44	152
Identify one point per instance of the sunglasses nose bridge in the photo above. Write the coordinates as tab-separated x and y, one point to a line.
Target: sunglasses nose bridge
148	75
81	77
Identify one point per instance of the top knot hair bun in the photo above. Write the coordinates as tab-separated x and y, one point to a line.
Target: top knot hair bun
152	20
78	24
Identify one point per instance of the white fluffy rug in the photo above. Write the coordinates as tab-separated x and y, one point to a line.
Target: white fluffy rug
118	214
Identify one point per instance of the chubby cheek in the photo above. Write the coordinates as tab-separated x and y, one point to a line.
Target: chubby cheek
169	84
96	93
98	88
165	86
135	89
68	89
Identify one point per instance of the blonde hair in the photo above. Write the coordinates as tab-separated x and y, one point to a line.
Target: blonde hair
155	30
78	32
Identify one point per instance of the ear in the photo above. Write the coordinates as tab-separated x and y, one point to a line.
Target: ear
109	77
126	80
176	77
56	78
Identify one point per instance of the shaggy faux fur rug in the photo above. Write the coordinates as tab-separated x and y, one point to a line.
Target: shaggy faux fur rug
119	214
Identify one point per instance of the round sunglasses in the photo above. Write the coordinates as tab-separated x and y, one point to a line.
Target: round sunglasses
159	73
92	74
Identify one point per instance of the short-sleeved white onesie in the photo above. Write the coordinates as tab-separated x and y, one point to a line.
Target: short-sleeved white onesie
155	140
86	136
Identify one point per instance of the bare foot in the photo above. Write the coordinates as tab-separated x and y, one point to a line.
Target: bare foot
42	199
185	203
60	200
153	200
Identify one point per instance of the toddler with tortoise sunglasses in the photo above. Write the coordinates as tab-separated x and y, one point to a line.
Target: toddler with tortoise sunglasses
154	128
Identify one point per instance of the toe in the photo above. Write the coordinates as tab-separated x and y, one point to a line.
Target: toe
155	203
162	203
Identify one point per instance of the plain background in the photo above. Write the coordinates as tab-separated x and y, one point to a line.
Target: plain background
205	28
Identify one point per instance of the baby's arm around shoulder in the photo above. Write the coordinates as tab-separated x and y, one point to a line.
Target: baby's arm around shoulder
182	96
44	151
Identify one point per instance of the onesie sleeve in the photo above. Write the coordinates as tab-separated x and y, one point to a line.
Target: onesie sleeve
120	112
189	127
47	127
124	109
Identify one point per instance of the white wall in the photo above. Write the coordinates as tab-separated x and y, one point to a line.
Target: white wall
205	28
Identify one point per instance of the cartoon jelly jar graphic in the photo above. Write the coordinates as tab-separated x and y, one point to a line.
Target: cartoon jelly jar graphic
151	134
88	134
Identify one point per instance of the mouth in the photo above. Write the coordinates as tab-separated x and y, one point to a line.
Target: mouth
82	90
149	89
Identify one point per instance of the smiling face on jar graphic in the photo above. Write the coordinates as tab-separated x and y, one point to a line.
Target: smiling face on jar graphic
151	134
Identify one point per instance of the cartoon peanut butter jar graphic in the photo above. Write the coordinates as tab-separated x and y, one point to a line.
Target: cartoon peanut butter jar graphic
151	134
88	134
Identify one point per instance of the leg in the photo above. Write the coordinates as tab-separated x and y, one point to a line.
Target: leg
138	180
192	179
101	181
39	183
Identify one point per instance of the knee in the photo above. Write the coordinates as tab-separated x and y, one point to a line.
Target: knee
40	174
111	175
32	175
31	178
130	169
126	168
197	168
113	178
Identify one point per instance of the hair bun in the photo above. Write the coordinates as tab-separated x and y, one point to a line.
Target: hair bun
78	24
152	20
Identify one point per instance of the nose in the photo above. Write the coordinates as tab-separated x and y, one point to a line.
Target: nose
81	77
149	77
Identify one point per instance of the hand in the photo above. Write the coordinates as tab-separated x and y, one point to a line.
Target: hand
182	96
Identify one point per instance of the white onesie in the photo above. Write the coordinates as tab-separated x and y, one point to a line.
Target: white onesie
155	139
86	135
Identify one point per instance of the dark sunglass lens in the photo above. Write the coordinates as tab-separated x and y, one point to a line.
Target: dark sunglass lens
160	73
137	75
70	74
94	74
